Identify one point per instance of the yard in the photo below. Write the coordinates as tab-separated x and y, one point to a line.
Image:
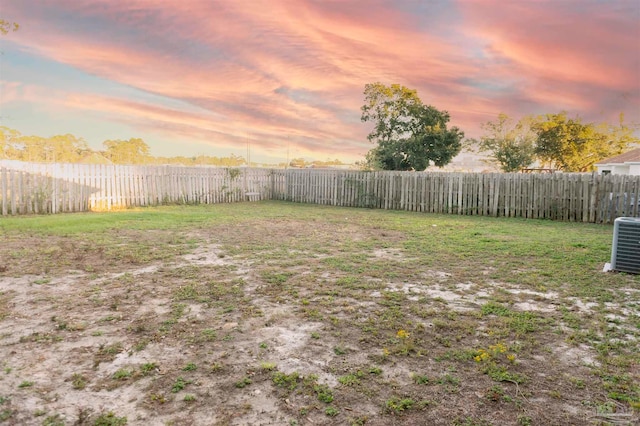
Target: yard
276	313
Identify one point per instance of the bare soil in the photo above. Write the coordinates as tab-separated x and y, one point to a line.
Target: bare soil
255	323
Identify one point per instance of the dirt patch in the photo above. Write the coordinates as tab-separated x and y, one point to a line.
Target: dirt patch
290	321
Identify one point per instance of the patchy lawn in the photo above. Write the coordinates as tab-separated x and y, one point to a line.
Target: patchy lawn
286	314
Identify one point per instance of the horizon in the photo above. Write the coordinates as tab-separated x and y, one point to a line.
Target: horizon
283	80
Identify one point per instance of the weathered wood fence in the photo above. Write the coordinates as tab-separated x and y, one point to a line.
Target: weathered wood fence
54	188
560	196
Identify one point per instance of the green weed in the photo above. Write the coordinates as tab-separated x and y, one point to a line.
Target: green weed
331	411
208	334
420	379
268	366
324	393
54	420
350	379
110	419
122	374
179	384
289	381
245	381
340	350
78	381
375	370
148	368
397	405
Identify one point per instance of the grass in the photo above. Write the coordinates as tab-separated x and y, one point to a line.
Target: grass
288	381
78	381
179	384
244	382
397	404
347	313
190	367
110	419
331	411
54	420
122	374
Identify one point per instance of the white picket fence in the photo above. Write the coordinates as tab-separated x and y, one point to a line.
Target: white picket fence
28	188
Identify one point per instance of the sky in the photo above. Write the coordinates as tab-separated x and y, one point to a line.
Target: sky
278	79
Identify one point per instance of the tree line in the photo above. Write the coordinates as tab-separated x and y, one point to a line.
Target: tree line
69	148
556	141
413	136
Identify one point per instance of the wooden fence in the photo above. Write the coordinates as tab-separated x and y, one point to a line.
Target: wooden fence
56	188
53	188
561	196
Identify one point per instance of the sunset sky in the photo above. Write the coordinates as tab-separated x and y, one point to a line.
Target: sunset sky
209	77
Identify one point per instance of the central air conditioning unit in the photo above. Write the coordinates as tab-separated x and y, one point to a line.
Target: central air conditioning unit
625	253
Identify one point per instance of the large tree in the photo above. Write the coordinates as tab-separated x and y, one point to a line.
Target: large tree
510	145
409	134
133	151
570	145
66	149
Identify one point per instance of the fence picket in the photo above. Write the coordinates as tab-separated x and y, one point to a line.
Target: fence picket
56	188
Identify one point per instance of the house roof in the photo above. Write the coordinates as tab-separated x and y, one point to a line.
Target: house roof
632	156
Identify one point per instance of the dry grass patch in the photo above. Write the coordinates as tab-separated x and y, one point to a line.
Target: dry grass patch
276	313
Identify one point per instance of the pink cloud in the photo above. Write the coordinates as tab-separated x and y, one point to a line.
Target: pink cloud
297	68
204	126
10	91
568	55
